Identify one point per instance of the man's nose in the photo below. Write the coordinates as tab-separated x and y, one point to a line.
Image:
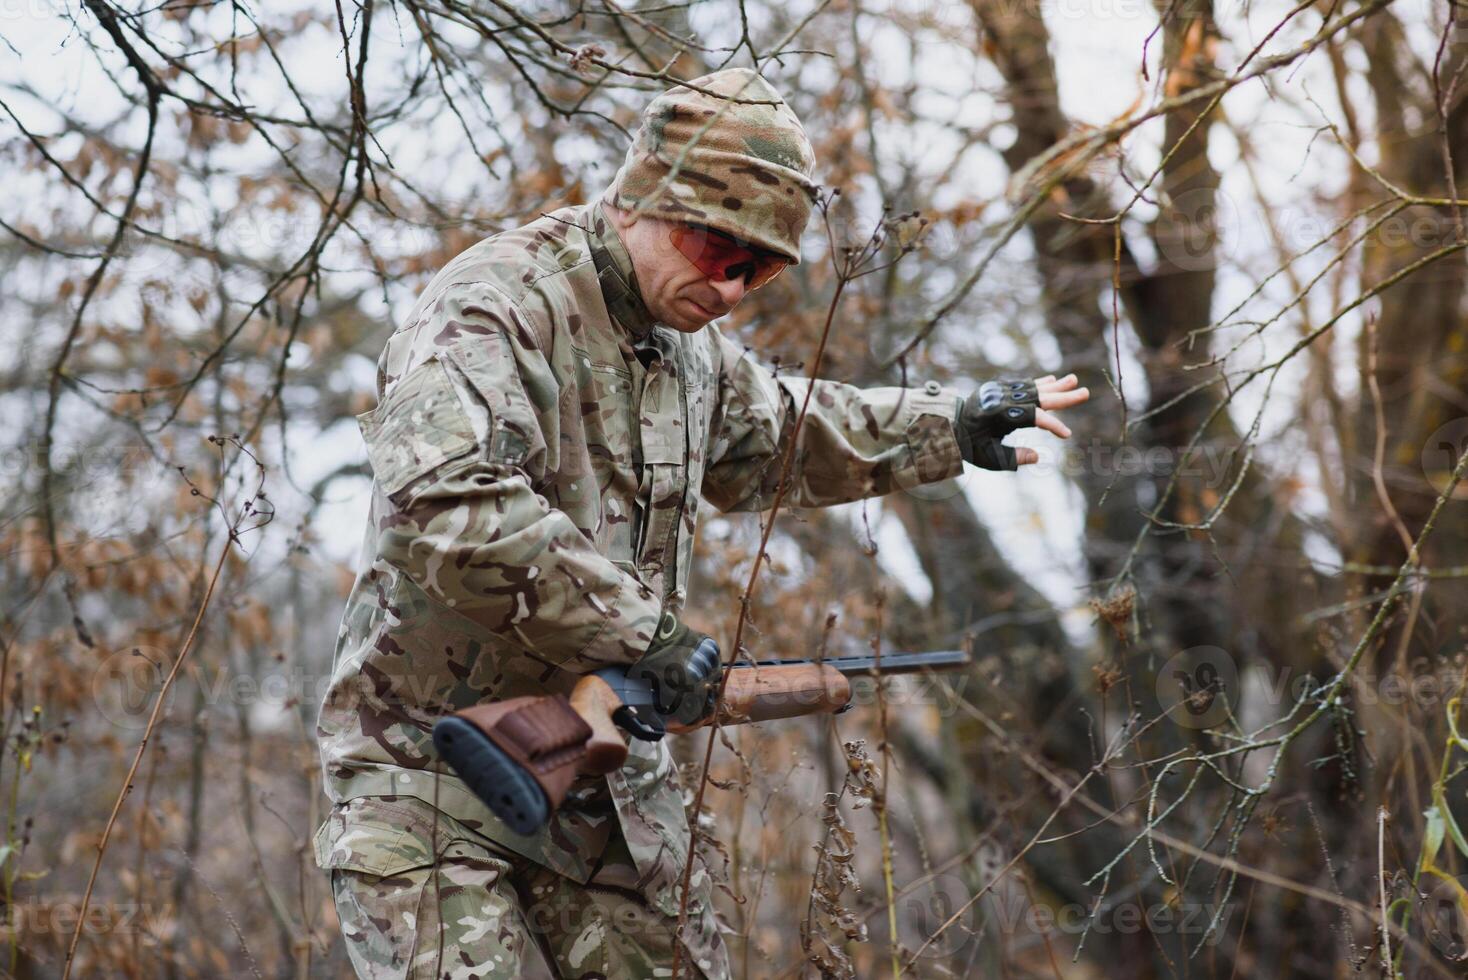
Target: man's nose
731	291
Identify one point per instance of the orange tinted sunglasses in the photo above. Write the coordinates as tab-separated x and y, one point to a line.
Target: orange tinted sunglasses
720	256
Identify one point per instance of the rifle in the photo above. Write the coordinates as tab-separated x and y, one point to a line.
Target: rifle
520	756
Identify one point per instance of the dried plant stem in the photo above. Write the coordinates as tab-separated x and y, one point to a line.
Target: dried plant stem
880	799
1386	933
749	589
886	839
153	719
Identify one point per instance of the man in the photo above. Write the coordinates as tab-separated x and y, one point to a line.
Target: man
552	415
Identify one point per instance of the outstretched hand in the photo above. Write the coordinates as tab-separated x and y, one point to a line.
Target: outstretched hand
998	408
1055	394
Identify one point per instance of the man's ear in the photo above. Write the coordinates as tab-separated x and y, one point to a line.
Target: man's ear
622	219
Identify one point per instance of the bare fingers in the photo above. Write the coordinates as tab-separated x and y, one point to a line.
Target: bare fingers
1044	420
1064	399
1051	383
1060	393
1054	394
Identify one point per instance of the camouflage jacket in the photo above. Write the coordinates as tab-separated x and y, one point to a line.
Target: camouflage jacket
539	452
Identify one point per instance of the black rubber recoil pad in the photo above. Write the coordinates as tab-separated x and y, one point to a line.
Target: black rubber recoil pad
501	783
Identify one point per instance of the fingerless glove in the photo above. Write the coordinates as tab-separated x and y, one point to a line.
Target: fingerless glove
996	409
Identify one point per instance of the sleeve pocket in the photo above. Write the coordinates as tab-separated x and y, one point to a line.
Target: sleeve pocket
417	428
489	368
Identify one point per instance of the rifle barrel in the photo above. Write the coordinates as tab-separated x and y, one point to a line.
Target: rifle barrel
887	663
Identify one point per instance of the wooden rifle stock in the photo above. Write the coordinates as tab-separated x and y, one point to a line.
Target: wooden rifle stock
751	694
774	692
521	756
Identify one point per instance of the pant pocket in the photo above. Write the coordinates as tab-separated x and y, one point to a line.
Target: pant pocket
414	907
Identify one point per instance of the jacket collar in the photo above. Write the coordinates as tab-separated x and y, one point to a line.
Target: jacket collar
615	273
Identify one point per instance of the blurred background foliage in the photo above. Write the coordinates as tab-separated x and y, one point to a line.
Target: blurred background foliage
1229	610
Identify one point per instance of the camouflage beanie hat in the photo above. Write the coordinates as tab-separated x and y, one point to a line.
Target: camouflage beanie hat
742	168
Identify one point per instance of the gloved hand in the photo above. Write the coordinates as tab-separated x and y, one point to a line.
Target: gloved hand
996	409
682	666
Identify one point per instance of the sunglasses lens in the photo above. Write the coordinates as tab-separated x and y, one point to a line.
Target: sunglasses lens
720	257
767	270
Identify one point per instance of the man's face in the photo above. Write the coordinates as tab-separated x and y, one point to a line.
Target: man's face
676	291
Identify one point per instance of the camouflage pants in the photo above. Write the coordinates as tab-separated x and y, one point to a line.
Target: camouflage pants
477	912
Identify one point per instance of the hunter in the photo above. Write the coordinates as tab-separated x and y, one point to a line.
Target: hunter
552	415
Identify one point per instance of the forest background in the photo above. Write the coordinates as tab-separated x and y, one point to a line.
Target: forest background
1212	727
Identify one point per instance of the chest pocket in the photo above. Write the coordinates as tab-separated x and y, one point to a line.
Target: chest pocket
664	478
